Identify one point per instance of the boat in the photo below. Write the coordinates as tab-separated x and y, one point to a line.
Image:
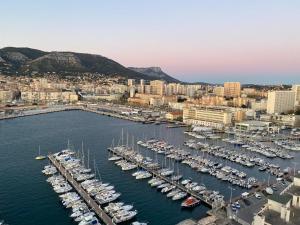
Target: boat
138	223
269	190
89	220
173	193
123	216
184	182
190	202
179	195
40	157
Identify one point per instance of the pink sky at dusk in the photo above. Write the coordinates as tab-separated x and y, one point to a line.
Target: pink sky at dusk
209	40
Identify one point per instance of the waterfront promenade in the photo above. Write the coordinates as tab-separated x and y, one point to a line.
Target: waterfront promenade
86	197
96	110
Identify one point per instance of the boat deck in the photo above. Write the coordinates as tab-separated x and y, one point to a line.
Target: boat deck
85	196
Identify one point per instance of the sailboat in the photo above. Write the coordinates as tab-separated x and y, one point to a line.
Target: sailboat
40	157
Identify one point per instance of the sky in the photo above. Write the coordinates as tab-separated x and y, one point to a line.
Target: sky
193	40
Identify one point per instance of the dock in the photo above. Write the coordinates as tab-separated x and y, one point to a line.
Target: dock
177	126
85	196
156	174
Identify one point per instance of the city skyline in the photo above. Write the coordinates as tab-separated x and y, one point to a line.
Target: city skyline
205	41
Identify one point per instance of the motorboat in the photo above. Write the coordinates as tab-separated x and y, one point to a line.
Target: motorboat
179	196
89	220
190	202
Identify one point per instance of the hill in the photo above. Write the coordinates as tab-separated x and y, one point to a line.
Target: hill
155	72
26	61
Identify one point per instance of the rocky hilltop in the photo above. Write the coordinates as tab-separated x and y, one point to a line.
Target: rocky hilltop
155	72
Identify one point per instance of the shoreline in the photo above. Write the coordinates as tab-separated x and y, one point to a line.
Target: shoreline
68	108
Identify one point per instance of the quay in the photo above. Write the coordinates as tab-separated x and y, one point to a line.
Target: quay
25	113
86	197
178	185
177	126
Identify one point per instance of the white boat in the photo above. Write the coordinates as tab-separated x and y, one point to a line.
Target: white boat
138	223
269	191
184	182
124	216
89	220
179	195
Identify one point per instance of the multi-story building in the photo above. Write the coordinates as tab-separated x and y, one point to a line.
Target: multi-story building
232	89
131	82
280	102
157	87
217	118
49	96
141	88
219	91
296	89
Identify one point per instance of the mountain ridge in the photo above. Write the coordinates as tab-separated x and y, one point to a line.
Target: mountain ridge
26	61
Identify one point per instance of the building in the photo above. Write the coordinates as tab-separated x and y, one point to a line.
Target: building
232	89
283	208
49	96
283	120
174	115
157	87
141	88
219	91
280	102
211	117
259	105
252	125
131	91
131	82
296	89
6	96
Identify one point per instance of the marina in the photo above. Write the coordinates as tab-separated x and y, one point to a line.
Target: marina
94	192
51	131
91	202
156	172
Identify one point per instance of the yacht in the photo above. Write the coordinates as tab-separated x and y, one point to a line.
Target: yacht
179	195
185	182
123	216
190	202
138	223
89	220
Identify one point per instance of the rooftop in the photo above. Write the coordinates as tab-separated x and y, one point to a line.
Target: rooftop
294	190
283	199
273	217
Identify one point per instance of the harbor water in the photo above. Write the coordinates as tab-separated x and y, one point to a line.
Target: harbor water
27	199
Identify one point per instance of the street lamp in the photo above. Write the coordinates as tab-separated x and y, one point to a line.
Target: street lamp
294	163
231	189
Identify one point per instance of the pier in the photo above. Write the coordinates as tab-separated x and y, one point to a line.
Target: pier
85	196
178	185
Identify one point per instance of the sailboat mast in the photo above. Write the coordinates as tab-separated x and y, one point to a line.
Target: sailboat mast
122	137
88	162
82	151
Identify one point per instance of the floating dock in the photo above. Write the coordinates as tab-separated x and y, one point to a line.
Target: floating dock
85	196
178	185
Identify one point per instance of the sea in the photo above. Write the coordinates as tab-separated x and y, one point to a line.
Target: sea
27	199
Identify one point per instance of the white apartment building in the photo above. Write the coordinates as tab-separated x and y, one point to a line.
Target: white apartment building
280	101
216	118
296	89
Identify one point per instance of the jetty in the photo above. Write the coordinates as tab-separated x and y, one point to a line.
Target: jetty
85	196
155	173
